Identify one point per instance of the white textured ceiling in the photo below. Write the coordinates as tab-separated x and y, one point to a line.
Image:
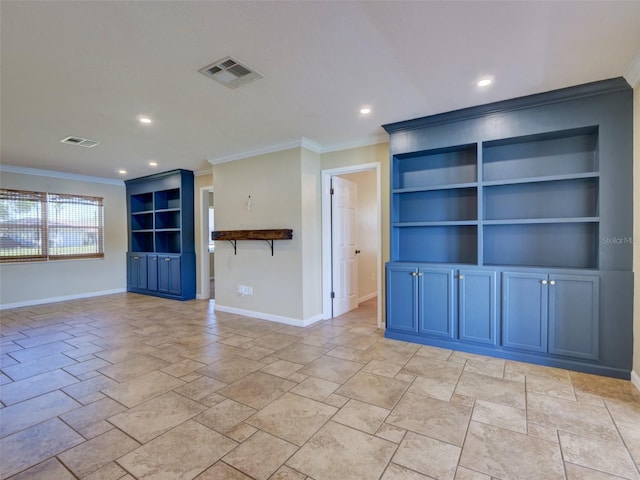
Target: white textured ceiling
89	68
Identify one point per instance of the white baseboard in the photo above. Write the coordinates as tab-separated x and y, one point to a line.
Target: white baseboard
635	379
268	316
368	297
77	296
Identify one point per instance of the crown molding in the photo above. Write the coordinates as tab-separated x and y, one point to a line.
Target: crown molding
202	173
632	74
66	176
280	147
302	143
360	142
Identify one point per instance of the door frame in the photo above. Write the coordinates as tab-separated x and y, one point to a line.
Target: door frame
205	274
326	233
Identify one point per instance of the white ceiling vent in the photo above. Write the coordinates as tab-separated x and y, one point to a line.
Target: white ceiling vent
83	142
230	72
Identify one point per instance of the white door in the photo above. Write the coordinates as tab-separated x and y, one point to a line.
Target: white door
344	262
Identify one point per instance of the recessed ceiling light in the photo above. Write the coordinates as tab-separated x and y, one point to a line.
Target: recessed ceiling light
142	119
485	82
365	110
153	164
122	172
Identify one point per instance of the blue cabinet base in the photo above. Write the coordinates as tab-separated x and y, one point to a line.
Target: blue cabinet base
542	359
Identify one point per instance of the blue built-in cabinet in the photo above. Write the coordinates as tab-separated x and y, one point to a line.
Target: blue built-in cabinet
511	227
161	256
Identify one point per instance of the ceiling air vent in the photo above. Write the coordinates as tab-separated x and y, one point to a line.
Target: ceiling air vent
230	72
83	142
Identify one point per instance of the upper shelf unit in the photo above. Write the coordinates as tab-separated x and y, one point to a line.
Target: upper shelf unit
161	213
452	167
554	155
531	200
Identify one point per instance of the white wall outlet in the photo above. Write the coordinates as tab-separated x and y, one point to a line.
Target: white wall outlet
244	290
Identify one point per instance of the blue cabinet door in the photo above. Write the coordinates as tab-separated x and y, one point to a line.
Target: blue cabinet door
152	272
436	308
401	298
137	277
169	273
574	315
524	311
477	300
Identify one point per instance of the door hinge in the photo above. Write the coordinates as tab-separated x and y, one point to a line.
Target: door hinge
333	294
331	191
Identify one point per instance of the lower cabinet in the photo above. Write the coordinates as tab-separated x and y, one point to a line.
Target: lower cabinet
540	314
420	300
442	303
557	314
159	274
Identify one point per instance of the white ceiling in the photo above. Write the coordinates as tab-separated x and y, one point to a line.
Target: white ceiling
90	68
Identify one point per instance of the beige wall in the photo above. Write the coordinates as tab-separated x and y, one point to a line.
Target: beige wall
274	182
285	189
311	234
367	229
40	282
636	231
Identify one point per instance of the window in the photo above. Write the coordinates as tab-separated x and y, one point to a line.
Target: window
37	226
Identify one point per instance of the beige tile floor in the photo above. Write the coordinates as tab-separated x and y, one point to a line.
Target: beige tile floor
134	387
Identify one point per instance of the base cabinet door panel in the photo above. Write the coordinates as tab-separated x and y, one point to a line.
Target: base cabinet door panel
574	313
169	269
436	309
525	311
152	273
137	271
401	299
477	300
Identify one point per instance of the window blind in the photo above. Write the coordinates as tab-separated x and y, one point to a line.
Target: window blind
37	226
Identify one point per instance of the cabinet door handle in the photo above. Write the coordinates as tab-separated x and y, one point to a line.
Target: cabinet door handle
460	277
136	258
167	259
420	274
552	282
544	282
413	274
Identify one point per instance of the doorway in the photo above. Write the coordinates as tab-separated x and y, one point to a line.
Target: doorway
368	241
207	246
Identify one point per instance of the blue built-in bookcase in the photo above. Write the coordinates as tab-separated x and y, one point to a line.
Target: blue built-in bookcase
511	229
160	213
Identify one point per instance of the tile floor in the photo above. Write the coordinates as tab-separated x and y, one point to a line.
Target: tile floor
134	387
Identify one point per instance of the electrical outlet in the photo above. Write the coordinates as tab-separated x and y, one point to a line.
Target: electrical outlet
244	290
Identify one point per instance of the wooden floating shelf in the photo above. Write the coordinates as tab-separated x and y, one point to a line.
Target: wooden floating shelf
232	236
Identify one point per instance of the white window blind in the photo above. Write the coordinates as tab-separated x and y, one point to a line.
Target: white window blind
36	226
